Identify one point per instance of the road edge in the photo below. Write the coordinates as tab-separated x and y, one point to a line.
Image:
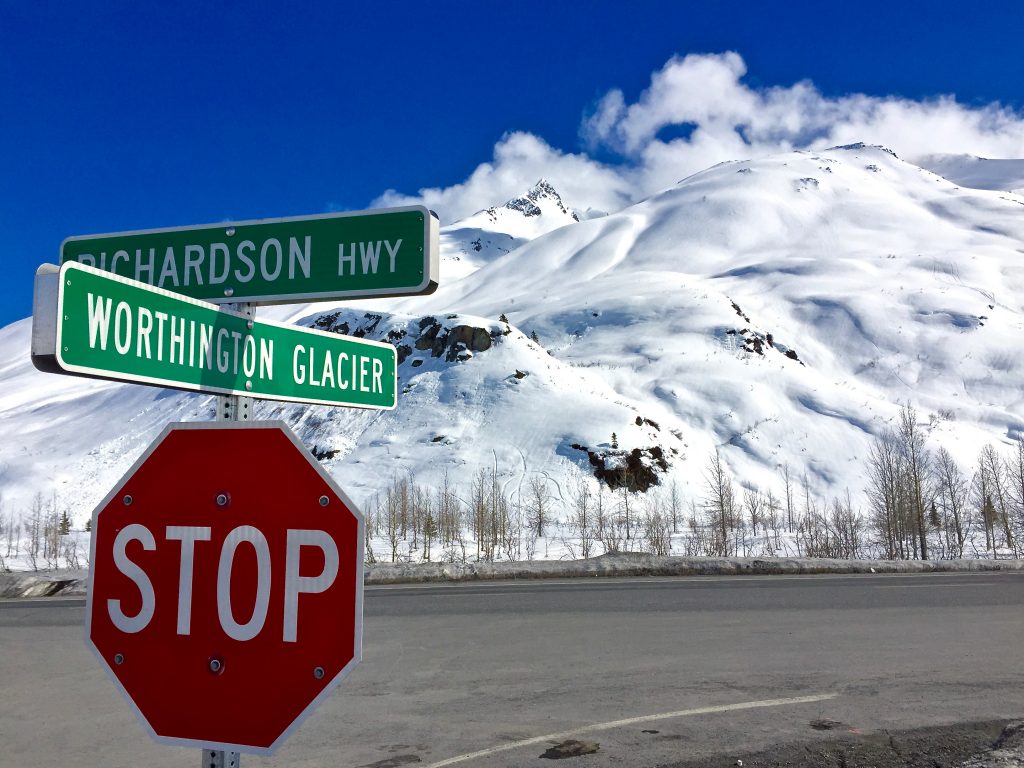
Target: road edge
37	584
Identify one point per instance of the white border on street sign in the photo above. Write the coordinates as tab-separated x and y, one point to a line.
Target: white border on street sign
357	649
101	373
431	256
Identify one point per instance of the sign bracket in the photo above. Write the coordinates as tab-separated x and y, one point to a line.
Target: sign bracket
236	407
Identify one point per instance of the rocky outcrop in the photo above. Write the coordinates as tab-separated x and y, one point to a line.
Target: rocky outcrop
455	343
528	204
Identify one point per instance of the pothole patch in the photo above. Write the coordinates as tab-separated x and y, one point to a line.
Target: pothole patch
571	748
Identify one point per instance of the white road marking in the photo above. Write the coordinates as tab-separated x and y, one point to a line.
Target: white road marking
563	735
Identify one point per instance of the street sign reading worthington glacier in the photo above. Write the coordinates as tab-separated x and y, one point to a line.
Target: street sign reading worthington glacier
358	254
102	325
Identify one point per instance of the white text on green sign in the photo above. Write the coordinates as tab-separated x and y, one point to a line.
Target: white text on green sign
386	252
112	327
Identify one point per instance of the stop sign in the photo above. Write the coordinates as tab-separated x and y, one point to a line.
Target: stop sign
226	590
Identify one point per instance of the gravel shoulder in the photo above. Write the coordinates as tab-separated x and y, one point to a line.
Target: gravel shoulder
991	744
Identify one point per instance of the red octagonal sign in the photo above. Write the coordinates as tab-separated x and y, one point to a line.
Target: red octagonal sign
226	591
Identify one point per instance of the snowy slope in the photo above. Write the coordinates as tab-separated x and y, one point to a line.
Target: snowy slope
977	172
778	310
887	282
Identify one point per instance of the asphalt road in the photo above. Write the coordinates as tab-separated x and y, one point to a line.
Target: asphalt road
655	671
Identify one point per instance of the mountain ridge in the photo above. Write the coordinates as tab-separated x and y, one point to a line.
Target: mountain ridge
777	311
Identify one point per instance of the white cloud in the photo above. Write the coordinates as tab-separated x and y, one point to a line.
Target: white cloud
520	160
721	118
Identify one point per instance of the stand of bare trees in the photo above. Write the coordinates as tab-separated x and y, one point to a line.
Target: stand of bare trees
40	536
924	506
918	503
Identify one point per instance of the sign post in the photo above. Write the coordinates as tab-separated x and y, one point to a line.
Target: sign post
230	408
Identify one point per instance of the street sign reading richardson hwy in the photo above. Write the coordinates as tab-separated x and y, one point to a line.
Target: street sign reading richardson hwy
384	252
102	325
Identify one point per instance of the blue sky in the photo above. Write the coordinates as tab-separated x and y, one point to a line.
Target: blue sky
133	115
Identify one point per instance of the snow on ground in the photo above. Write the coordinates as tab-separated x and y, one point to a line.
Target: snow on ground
778	310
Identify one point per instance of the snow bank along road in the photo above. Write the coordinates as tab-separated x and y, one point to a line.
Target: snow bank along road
653	670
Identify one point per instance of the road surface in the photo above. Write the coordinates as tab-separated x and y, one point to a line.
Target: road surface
655	671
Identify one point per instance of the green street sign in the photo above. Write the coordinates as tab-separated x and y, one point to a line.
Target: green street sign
359	254
107	326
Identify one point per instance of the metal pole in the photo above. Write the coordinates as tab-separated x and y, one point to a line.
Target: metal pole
231	408
218	758
236	407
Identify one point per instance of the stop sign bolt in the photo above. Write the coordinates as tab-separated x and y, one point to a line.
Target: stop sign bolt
216	666
128	500
324	501
119	658
223	499
318	673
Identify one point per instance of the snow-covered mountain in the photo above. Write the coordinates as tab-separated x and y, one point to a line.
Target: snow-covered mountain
470	243
778	310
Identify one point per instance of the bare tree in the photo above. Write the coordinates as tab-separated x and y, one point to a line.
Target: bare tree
429	532
537	504
847	527
773	523
12	534
582	525
753	503
512	541
675	505
369	556
887	496
788	497
917	465
449	515
69	551
981	499
814	539
529	537
479	507
626	492
52	534
4	532
34	527
991	463
657	527
951	499
720	502
703	534
610	530
1016	492
500	512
